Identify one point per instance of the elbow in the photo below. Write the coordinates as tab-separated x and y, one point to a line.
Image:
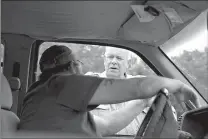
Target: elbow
104	127
105	134
105	131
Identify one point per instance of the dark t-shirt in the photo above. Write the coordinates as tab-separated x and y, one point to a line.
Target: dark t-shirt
60	105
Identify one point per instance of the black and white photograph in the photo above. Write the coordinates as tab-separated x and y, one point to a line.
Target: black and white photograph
104	69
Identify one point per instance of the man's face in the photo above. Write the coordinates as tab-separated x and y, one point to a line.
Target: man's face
115	62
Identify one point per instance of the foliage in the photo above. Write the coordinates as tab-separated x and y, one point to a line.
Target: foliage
93	60
194	64
92	57
139	67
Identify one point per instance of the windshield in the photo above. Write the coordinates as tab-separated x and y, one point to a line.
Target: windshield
190	54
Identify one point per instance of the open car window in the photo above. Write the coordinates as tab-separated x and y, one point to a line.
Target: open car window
92	57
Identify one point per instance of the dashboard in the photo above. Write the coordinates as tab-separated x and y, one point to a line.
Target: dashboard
195	122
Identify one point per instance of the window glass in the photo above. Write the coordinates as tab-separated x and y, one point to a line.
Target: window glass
191	58
1	57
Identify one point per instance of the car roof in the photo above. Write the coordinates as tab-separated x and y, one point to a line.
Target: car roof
95	19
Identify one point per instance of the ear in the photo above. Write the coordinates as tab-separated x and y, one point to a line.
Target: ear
128	64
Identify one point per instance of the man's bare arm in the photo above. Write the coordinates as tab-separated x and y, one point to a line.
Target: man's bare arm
112	91
114	121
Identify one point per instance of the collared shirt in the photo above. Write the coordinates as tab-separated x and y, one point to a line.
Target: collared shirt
133	127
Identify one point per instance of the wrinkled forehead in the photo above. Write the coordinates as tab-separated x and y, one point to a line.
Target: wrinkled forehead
117	52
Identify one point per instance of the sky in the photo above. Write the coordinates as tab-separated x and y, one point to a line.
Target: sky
198	42
192	37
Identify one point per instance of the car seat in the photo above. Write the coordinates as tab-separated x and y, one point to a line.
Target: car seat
9	120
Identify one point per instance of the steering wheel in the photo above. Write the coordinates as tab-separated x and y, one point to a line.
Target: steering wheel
159	121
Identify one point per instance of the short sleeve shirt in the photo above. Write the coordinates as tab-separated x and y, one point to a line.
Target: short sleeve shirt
133	127
61	104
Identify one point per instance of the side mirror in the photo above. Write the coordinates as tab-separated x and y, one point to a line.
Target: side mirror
15	83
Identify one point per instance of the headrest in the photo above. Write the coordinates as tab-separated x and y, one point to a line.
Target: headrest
14	83
6	94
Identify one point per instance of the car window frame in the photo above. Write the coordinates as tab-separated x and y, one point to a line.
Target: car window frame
36	46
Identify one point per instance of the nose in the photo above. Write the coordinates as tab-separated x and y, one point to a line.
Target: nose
114	60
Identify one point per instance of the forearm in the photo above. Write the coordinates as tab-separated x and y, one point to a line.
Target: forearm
119	119
149	86
112	91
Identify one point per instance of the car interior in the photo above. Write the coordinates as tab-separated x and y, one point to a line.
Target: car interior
152	30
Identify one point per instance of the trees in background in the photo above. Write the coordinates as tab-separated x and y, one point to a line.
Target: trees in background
93	58
138	67
194	65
